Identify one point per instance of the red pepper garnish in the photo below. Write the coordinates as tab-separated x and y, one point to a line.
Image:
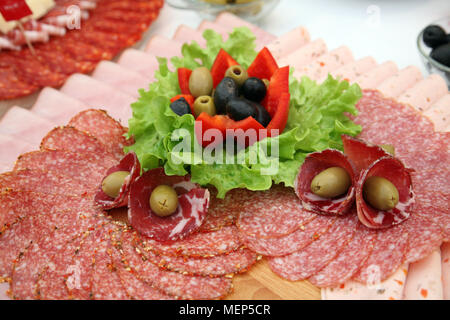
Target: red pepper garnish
189	99
220	66
264	65
183	80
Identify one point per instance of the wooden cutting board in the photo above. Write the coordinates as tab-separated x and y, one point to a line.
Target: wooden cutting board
260	283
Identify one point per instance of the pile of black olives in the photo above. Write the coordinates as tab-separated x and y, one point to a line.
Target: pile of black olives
237	95
436	38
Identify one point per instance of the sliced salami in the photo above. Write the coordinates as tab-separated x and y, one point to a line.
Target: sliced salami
276	247
12	86
198	244
433	180
192	207
128	163
393	170
315	163
107	130
172	283
386	257
273	213
348	261
303	264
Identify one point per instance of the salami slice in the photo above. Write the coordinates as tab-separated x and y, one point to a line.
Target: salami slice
315	163
433	180
386	257
276	247
129	163
273	213
349	260
172	283
192	206
12	86
393	170
303	264
198	244
107	130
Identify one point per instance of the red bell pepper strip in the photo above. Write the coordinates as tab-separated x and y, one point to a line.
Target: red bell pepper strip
189	99
280	118
264	65
279	83
183	80
221	64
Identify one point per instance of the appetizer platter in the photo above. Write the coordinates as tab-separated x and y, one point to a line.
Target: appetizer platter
100	202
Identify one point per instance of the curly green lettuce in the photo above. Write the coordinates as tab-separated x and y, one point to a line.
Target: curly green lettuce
317	118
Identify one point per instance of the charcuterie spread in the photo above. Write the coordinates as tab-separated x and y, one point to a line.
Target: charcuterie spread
66	37
224	151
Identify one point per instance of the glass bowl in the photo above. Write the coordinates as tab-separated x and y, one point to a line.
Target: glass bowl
251	11
430	64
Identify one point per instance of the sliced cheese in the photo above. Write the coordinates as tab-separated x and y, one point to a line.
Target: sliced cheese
39	9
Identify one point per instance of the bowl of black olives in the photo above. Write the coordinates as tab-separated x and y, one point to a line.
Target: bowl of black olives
433	43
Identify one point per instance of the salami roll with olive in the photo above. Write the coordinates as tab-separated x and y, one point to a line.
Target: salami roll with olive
326	182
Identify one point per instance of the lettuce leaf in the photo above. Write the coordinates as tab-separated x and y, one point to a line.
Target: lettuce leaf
317	118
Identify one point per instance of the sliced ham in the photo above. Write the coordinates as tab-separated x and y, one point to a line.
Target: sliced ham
304	55
120	78
439	113
139	61
160	46
372	78
389	289
15	148
425	93
424	279
222	30
24	125
321	67
55	106
355	69
445	254
289	42
96	94
185	34
402	81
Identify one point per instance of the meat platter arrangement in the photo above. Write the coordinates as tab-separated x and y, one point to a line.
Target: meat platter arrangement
98	204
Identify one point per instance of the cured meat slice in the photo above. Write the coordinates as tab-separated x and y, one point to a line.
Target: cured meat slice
432	180
107	130
305	54
289	42
439	113
26	269
192	208
186	34
302	264
15	147
403	80
348	261
208	244
276	247
86	54
273	213
236	261
129	163
445	253
393	170
44	182
160	46
372	78
12	86
172	283
386	257
76	165
353	70
74	140
139	61
362	154
315	163
17	205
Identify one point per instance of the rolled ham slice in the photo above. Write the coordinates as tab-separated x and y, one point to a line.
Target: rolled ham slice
351	71
185	34
439	113
445	253
193	203
403	80
139	61
372	78
315	163
160	46
289	42
304	55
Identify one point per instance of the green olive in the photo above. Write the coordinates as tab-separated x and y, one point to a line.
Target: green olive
163	201
204	104
111	184
380	193
238	74
200	82
266	82
389	148
331	183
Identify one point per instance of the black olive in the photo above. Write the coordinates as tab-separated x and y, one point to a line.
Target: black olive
254	89
225	90
442	54
240	108
262	116
180	107
434	36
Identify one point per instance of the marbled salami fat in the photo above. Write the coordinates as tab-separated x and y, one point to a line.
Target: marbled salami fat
315	163
272	213
107	130
192	208
129	163
302	264
393	170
